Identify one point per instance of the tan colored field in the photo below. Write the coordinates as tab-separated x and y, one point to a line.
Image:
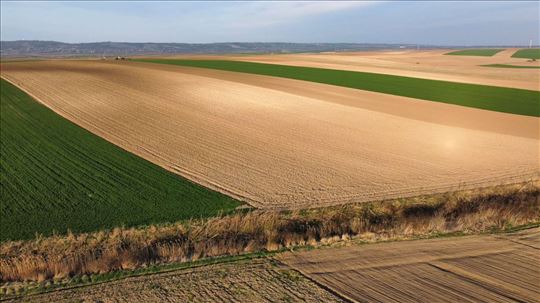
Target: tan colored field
280	143
470	269
429	64
252	281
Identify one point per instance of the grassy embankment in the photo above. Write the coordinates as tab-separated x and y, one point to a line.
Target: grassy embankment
501	99
61	258
483	52
527	53
56	176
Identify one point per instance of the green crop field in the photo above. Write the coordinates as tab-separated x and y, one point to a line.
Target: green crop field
56	176
509	66
484	52
527	53
502	99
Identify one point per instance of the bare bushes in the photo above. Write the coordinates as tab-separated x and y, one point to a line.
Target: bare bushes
59	257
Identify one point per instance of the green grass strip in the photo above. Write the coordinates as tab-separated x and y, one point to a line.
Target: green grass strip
527	53
501	99
510	66
483	52
56	176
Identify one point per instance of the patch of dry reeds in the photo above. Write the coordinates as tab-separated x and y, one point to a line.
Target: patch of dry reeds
64	256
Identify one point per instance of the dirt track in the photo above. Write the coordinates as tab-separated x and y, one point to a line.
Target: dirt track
470	269
253	281
279	143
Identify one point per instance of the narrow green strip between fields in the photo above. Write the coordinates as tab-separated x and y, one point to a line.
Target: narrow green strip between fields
483	52
510	66
501	99
55	176
527	53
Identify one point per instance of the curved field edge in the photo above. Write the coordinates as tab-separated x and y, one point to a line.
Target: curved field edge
501	99
58	177
483	52
527	53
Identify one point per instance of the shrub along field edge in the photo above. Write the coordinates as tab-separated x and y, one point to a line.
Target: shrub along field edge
63	257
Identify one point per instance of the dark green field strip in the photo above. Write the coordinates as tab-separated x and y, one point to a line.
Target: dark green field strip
527	53
510	66
56	176
484	52
501	99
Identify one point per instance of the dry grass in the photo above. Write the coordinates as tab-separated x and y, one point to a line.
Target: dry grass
59	257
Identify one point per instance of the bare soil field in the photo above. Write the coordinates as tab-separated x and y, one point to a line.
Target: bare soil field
252	281
284	143
491	268
429	64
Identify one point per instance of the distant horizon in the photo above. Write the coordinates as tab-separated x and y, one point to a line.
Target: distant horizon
279	42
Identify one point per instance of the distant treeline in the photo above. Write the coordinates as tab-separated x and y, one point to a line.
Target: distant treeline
33	48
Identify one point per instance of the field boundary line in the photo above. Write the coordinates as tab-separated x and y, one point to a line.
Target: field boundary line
170	167
203	263
319	284
383	83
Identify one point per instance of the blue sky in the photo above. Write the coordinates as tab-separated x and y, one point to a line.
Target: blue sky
442	23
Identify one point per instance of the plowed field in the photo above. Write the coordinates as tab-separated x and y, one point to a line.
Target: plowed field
470	269
280	144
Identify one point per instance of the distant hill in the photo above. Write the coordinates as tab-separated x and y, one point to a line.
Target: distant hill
32	48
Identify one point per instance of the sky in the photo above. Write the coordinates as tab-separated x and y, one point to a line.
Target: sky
423	22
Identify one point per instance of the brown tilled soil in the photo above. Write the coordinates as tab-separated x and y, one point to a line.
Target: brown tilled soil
253	281
494	268
429	64
280	144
